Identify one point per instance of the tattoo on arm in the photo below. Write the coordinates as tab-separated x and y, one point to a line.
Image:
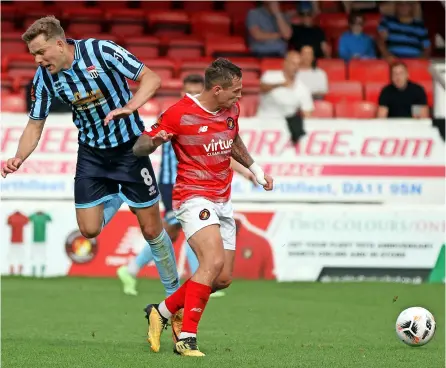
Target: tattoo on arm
240	153
144	146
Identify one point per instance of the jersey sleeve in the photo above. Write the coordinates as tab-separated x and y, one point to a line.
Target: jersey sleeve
167	121
121	60
41	95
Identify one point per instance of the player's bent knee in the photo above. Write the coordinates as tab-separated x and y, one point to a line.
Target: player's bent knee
151	230
89	231
221	283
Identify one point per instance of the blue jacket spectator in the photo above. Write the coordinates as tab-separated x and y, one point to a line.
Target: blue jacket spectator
354	44
268	29
403	36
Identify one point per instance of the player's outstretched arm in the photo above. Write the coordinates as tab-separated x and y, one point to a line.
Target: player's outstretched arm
27	144
240	154
149	82
145	145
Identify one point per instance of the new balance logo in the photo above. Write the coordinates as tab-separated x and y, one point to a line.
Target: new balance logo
203	129
198	310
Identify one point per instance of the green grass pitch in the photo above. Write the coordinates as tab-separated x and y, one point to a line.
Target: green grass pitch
81	322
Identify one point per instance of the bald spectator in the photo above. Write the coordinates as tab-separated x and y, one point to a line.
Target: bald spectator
269	30
314	78
282	93
402	98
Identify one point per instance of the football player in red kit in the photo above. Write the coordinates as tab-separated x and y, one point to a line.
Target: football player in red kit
204	133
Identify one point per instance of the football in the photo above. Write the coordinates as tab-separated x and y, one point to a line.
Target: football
415	326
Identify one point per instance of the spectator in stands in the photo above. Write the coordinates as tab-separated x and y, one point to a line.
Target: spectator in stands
282	93
355	44
314	78
402	98
403	36
307	33
269	30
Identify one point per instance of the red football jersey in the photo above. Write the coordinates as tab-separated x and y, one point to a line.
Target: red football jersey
17	221
202	142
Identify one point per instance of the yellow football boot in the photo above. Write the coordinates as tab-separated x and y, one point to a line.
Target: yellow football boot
188	347
157	323
177	324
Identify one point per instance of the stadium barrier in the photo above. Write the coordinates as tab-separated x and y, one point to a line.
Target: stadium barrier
395	169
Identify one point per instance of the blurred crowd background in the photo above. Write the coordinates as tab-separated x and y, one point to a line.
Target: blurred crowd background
353	59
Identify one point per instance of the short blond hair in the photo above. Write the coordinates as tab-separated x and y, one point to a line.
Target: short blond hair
48	26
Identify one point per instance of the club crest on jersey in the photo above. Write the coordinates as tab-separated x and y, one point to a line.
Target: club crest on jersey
92	71
204	214
230	123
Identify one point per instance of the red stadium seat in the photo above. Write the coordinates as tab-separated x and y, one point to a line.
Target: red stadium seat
165	68
271	64
335	69
198	6
226	47
196	66
372	91
329	6
248	106
143	41
151	108
250	67
12	43
141	52
344	91
239	8
356	110
185	48
156	5
207	23
13	102
239	25
371	22
251	86
418	70
99	36
428	87
322	109
170	20
18	61
107	5
166	102
89	20
333	21
7	84
32	15
170	87
369	71
126	22
7	26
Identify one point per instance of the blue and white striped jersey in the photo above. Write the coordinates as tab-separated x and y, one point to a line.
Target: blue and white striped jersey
93	86
169	163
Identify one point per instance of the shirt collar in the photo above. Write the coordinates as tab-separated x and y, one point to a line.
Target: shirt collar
77	53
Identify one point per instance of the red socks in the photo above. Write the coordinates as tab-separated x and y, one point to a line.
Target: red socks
196	299
176	301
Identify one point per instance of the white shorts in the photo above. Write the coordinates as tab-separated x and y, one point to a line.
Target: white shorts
197	213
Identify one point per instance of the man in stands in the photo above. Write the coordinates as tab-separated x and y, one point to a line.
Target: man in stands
282	93
403	36
307	33
402	98
269	30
